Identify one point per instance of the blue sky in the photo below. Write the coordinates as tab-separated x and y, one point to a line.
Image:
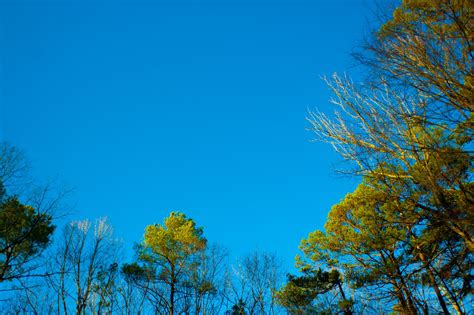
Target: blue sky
146	107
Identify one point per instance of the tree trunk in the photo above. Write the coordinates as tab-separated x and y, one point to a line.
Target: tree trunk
437	291
346	311
172	290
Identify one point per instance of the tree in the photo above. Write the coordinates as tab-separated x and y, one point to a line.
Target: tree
380	244
84	267
207	280
169	250
388	137
13	167
134	287
253	282
426	47
27	211
24	233
105	289
25	229
297	296
412	122
237	309
263	272
364	237
408	132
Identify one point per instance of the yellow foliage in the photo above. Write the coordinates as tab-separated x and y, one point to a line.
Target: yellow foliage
175	239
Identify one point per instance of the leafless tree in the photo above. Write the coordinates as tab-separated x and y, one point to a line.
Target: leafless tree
253	283
207	281
86	256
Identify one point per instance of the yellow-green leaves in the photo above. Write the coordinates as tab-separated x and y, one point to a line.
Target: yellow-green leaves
175	239
24	232
366	235
169	253
365	221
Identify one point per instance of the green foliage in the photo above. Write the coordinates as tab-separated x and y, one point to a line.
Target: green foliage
406	232
428	45
172	242
23	234
134	272
298	295
169	256
238	309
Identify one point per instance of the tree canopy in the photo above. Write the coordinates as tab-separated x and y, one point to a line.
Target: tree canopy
406	131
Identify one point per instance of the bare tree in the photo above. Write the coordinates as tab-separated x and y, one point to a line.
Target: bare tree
85	259
253	283
132	289
207	281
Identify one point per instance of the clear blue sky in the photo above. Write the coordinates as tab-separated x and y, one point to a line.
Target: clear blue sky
199	106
